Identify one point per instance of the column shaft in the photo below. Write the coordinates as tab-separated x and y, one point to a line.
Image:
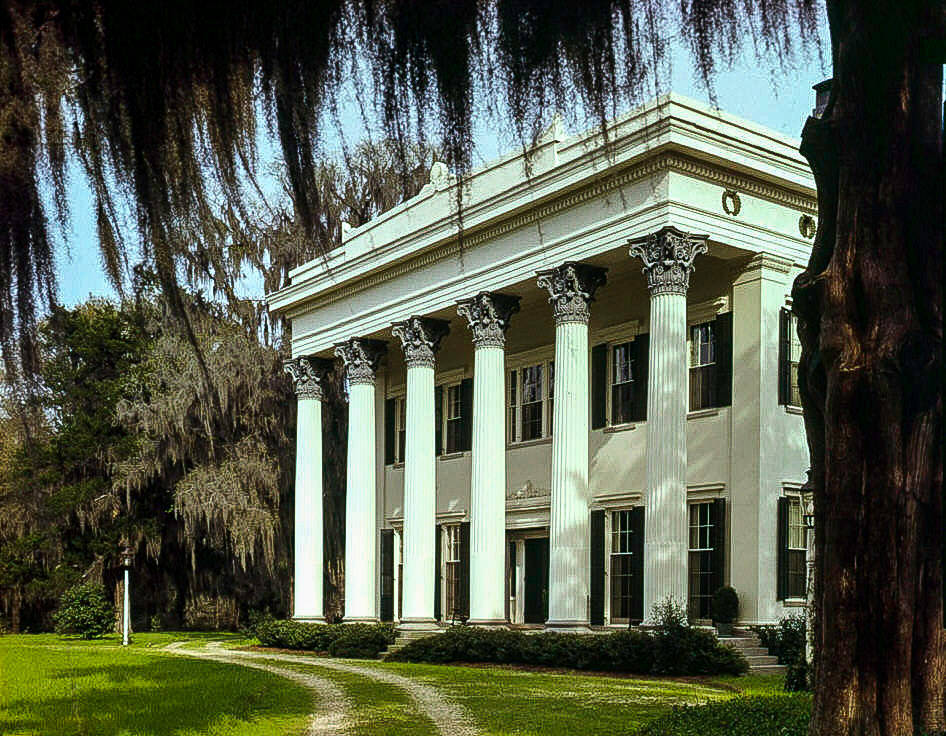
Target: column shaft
420	507
308	548
488	489
665	513
361	539
569	546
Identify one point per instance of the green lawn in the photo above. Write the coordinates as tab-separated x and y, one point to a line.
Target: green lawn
66	687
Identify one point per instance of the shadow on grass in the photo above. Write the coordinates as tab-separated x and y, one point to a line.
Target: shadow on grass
160	697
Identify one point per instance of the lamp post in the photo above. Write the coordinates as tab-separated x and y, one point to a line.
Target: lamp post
127	555
808	514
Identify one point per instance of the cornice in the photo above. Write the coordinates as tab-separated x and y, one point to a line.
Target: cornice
666	161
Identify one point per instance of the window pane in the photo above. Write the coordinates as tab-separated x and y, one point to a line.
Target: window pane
622	567
531	421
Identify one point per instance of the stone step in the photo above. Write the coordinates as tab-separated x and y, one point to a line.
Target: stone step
761	660
768	669
742	642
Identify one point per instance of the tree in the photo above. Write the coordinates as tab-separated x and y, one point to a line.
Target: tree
868	303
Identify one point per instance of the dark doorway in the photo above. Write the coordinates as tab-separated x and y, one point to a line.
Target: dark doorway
536	602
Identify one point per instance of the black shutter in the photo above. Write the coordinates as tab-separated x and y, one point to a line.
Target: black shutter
784	355
724	359
387	575
781	592
597	568
640	367
466	415
464	592
389	407
438	563
599	386
637	563
438	418
718	512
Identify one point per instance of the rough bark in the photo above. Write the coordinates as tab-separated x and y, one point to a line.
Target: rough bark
870	324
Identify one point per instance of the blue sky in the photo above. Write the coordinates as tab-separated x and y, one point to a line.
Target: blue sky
779	99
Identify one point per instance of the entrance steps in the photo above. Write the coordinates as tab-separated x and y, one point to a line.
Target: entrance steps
758	657
406	636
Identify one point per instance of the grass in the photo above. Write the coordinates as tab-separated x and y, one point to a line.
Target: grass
69	687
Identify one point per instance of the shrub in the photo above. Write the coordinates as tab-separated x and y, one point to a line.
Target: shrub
357	640
84	610
621	651
798	676
156	622
725	605
786	640
756	715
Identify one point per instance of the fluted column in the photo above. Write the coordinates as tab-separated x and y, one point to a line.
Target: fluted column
668	261
571	288
361	358
420	337
308	554
488	317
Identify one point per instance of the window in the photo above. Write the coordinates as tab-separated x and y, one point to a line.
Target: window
701	557
622	383
797	550
789	355
451	572
702	366
531	394
453	419
622	567
400	428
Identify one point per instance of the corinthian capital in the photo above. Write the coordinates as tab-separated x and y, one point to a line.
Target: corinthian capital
307	375
668	256
361	358
488	316
571	289
420	337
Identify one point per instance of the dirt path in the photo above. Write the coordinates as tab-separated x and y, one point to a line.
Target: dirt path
333	714
447	716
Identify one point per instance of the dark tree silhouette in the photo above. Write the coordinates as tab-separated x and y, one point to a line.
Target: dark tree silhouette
160	104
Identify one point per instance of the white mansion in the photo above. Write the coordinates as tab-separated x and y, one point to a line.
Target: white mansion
586	403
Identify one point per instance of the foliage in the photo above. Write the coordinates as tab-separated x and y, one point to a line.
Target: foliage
785	640
621	651
725	605
753	715
172	142
344	640
680	649
798	678
84	610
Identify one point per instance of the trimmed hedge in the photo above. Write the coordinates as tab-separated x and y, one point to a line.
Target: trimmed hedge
340	640
785	640
681	651
749	715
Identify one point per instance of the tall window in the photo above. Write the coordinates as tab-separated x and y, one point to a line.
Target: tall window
794	355
797	549
701	560
622	383
702	366
453	419
530	395
622	567
400	428
451	572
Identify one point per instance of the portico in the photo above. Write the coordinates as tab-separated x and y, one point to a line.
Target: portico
556	394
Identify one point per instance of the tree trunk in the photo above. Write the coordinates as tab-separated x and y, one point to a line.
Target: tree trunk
870	323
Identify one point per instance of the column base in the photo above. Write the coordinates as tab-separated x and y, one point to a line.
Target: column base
419	624
569	627
309	619
489	623
361	620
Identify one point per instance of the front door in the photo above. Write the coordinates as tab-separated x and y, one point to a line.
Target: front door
536	598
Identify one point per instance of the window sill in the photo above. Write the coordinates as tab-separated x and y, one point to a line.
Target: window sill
453	455
789	409
528	443
619	427
794	602
699	413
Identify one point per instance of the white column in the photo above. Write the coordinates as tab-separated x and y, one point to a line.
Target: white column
361	359
420	338
308	536
668	261
572	288
488	317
